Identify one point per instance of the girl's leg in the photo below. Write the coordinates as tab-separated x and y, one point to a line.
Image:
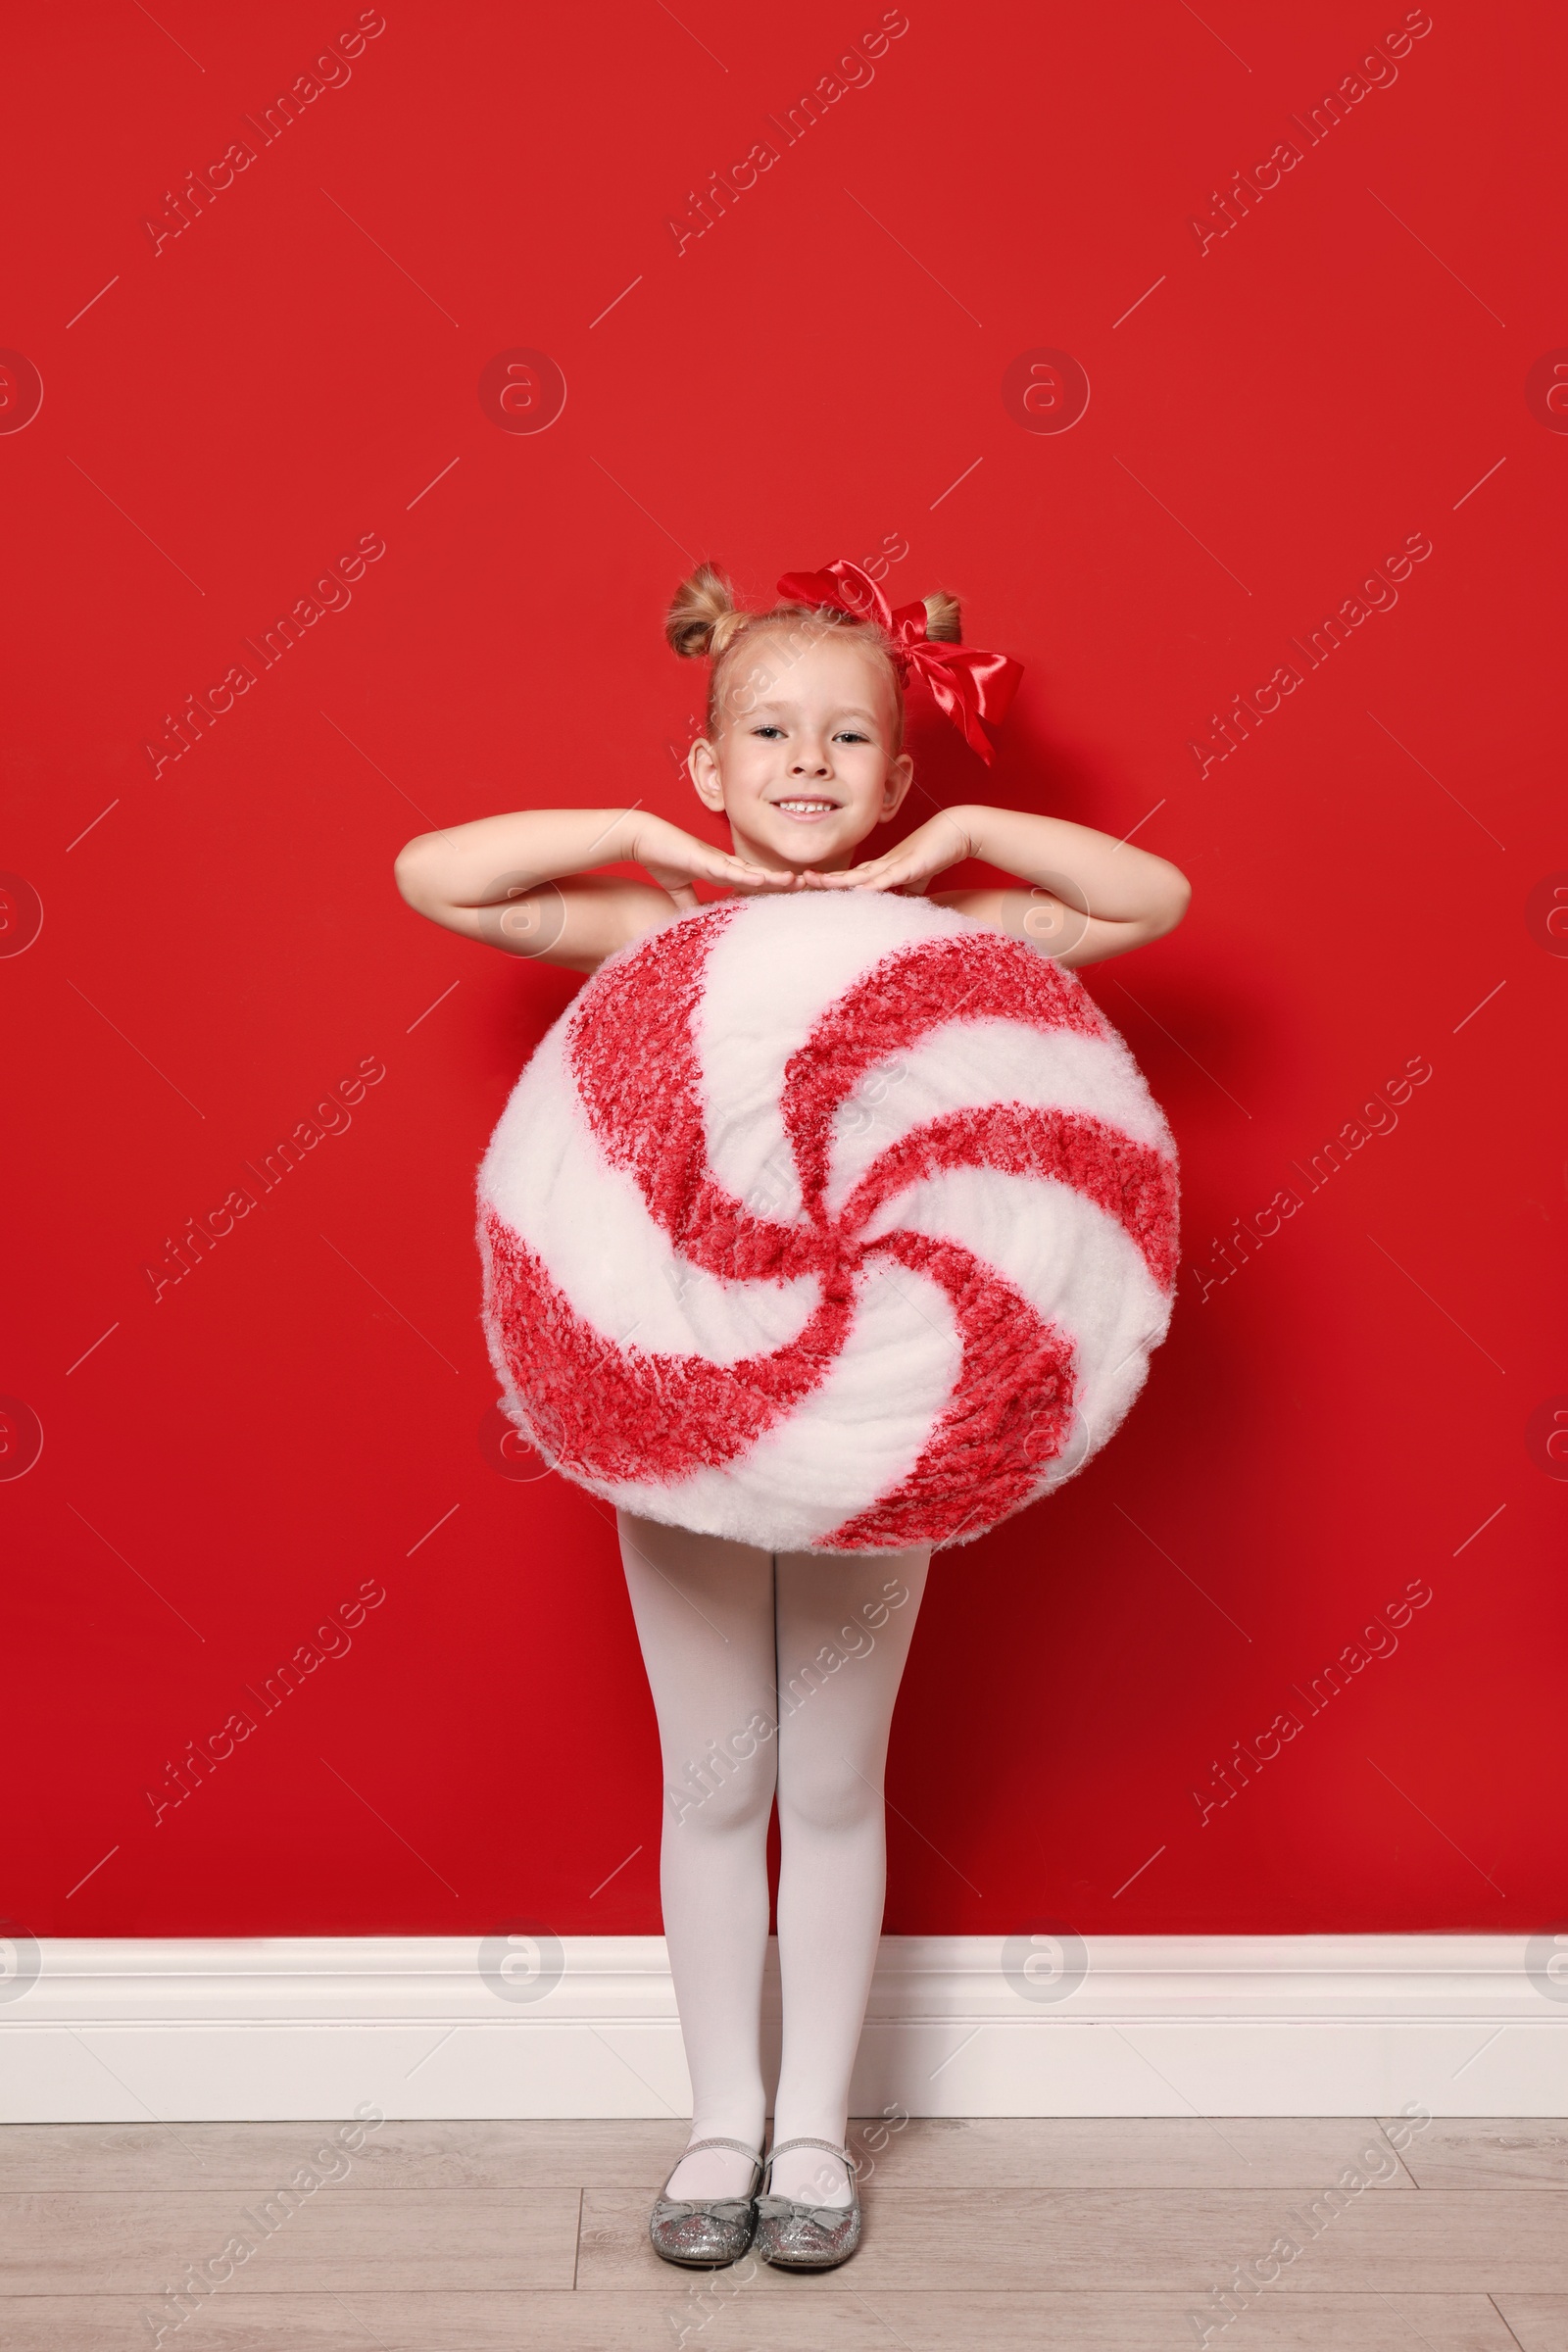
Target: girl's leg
704	1610
844	1625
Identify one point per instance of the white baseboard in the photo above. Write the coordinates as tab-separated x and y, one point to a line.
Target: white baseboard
426	2027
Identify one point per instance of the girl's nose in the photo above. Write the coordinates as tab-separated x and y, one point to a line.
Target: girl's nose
811	760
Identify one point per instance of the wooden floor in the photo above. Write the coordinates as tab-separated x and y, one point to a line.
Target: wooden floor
1105	2235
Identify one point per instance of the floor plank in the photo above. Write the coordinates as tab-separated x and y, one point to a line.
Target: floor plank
1539	2321
842	2321
254	2157
928	2151
1040	2240
1490	2152
337	2240
1124	2152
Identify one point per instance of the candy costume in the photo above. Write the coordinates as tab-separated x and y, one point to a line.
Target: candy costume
834	1222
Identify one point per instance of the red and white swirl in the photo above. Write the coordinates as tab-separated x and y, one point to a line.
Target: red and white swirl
834	1223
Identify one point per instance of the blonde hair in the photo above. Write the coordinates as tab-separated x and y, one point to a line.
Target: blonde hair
705	622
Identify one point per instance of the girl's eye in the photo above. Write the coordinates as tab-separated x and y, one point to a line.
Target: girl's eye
848	735
768	730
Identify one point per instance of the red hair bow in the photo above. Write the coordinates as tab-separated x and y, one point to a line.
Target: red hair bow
966	684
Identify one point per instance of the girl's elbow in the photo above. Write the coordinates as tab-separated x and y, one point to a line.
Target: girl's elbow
409	870
1175	901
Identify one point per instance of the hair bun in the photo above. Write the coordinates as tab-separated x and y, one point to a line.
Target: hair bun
703	615
944	621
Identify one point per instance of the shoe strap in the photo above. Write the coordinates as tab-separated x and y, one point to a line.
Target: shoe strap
831	2147
739	2145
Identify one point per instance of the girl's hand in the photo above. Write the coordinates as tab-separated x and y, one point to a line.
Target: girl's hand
677	859
929	851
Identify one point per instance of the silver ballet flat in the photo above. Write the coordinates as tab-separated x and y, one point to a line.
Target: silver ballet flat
705	2232
807	2237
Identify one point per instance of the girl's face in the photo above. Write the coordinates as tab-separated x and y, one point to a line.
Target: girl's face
802	764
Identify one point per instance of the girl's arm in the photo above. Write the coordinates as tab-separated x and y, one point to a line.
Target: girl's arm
517	882
1091	896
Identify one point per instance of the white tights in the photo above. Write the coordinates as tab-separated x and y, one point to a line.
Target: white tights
770	1672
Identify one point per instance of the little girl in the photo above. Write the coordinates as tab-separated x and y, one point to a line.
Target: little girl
802	757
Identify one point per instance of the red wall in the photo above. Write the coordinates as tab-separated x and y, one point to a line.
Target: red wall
1363	1404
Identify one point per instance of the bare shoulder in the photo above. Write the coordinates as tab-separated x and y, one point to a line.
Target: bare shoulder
582	919
1068	935
1001	909
575	921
